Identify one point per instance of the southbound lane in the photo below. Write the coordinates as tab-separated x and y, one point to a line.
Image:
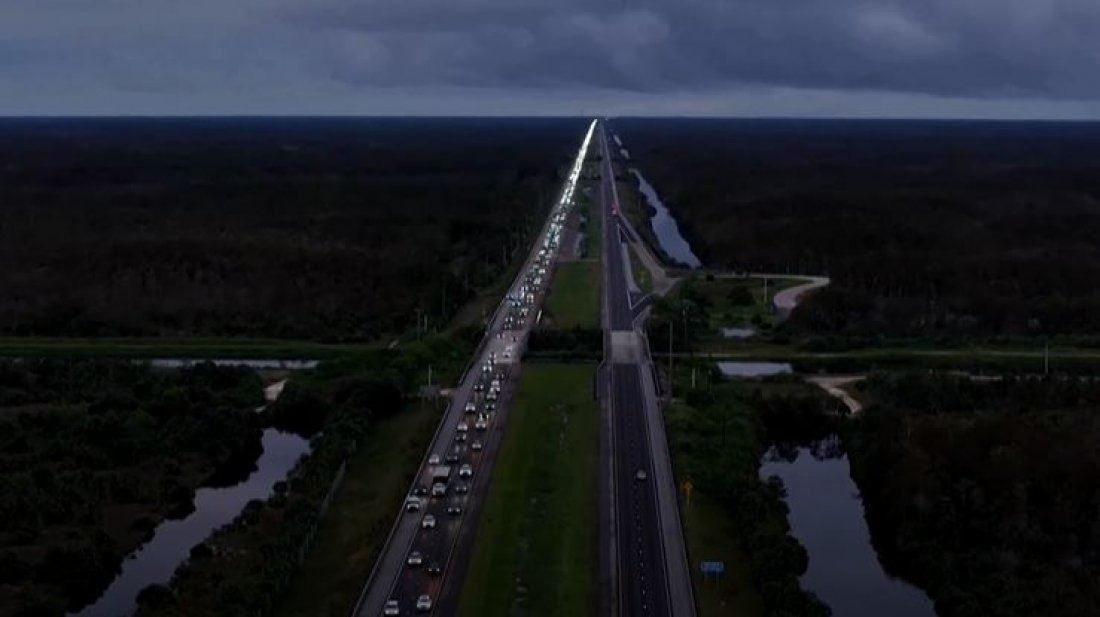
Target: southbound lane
642	587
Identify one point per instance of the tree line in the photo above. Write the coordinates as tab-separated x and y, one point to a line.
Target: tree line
984	493
319	229
926	228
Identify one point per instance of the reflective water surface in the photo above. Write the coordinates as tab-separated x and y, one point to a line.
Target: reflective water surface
826	515
156	560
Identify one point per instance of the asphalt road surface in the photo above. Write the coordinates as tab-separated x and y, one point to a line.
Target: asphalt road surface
649	565
392	577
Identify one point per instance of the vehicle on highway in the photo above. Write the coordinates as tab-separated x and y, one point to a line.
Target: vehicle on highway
481	424
462	489
415	559
424	603
439	489
428	522
433	569
391	608
476	446
420	490
490	407
465	471
492	396
454	510
412	504
452	458
471	406
433	459
641	475
462	428
460	437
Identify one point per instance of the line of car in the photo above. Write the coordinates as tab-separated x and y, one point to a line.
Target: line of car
480	410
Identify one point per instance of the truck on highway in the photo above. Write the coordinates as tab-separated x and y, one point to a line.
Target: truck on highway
440	473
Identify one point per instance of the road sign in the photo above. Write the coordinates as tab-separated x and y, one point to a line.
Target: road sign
712	567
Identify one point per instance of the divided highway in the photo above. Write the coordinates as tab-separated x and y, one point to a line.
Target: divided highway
648	563
421	566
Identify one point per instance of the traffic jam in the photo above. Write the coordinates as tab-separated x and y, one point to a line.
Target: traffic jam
443	492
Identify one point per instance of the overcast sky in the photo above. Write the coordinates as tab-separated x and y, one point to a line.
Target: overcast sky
883	58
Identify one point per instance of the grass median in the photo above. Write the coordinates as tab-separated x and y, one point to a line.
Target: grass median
536	552
574	295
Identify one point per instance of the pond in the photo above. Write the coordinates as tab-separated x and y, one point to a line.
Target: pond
156	560
754	369
826	515
665	227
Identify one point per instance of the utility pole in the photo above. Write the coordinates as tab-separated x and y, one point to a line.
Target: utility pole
670	361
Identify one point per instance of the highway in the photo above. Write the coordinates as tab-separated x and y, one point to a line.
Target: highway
445	547
648	563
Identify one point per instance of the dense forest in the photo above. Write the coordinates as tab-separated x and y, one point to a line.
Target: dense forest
926	228
985	493
328	229
94	454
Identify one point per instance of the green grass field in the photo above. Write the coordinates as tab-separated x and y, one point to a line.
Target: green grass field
708	528
710	536
740	301
353	530
574	295
174	348
537	543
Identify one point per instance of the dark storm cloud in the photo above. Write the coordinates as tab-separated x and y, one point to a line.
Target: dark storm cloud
755	57
986	48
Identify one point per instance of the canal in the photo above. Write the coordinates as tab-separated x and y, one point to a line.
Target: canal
156	560
826	516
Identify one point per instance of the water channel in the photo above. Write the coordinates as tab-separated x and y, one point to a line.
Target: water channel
826	515
663	223
156	560
665	227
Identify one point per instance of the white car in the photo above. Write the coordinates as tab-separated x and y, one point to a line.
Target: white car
433	459
412	504
415	559
439	490
391	608
462	428
471	407
465	471
476	446
428	522
481	424
424	603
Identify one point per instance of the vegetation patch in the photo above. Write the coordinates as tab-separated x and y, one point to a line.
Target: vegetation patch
94	454
246	567
717	436
976	229
986	493
318	229
537	542
573	301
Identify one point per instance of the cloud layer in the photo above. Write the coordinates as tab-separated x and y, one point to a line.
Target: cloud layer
1014	57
